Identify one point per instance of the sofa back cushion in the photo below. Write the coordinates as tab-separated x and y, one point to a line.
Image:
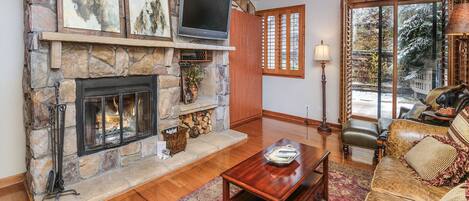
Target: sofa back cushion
459	128
430	157
404	133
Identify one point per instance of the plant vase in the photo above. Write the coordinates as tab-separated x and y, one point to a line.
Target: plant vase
194	90
191	78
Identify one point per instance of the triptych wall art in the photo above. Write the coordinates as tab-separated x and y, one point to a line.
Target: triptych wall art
145	19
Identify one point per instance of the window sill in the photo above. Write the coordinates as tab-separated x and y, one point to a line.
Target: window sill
284	75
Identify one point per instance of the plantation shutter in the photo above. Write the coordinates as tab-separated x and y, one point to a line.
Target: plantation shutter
283	41
346	64
444	46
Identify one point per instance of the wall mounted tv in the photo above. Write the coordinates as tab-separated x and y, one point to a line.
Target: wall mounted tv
209	19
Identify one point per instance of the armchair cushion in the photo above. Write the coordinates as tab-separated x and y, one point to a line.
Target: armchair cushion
361	126
360	133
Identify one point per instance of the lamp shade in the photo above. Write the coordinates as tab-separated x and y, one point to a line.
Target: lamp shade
322	52
459	20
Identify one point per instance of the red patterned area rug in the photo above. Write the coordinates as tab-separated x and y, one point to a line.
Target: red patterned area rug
345	184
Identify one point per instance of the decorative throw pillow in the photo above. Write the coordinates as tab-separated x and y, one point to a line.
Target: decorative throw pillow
459	128
458	170
429	157
452	175
416	111
458	193
435	93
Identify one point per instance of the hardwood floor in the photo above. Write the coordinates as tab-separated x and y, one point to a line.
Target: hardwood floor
15	192
262	133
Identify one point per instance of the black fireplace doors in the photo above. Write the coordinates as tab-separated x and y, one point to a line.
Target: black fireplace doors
115	111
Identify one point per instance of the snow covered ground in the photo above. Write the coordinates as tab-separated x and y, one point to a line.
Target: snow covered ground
365	103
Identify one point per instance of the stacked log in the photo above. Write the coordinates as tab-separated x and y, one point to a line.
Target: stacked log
198	123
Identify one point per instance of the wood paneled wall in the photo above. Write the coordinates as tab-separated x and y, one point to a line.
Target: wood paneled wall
245	68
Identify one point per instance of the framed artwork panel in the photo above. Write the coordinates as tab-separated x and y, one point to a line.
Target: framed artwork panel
148	19
99	17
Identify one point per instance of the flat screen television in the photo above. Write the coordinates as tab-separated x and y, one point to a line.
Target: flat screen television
209	19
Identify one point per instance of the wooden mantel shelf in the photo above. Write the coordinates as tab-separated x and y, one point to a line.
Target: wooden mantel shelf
57	38
81	38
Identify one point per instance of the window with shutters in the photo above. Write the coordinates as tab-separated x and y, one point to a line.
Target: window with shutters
283	41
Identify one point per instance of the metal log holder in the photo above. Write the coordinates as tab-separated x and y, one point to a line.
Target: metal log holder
55	183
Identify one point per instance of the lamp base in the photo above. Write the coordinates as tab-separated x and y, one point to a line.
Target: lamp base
324	129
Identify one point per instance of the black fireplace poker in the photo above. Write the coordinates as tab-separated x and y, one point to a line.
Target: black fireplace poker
55	183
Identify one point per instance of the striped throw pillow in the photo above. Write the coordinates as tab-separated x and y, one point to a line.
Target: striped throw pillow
459	129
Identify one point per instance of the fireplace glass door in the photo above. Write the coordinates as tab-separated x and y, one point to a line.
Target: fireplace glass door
116	116
106	117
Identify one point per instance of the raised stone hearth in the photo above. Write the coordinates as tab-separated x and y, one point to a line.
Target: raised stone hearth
93	61
119	180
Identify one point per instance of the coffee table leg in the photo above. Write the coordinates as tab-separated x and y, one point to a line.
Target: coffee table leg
226	190
325	170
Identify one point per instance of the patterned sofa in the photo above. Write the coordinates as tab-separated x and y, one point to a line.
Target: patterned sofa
394	181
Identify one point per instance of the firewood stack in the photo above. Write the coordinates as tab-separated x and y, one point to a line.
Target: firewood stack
198	122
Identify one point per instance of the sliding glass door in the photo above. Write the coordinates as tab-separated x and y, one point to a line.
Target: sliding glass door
419	66
365	46
419	46
372	62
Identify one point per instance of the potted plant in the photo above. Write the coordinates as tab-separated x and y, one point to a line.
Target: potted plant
193	77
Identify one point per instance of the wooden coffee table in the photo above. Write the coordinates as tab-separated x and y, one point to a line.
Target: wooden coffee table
301	180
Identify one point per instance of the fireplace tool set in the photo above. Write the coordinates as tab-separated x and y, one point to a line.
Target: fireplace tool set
55	183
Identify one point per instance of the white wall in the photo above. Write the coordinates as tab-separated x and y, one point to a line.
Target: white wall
289	95
12	135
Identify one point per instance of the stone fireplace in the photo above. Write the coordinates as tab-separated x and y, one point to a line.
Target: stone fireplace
113	112
119	98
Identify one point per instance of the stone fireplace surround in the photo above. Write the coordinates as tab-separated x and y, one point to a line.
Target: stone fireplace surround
90	61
